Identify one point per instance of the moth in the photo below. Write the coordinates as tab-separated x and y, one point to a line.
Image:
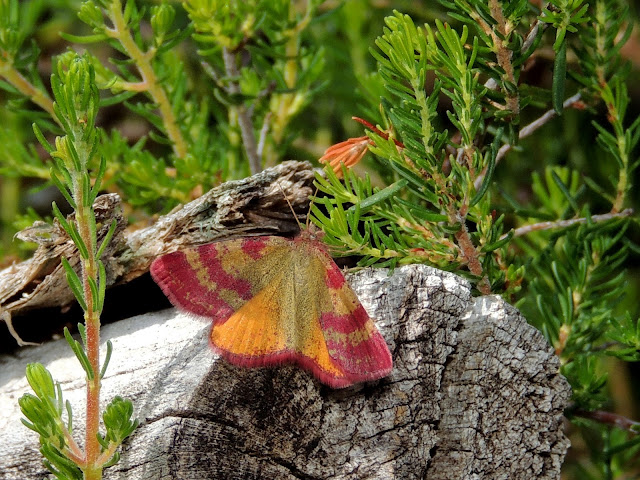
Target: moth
274	300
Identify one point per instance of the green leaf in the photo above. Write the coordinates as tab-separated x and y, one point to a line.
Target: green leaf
107	238
380	196
62	188
74	283
118	421
93	287
486	182
82	330
499	244
559	77
565	191
84	39
40	381
95	190
116	99
41	138
80	354
69	414
107	359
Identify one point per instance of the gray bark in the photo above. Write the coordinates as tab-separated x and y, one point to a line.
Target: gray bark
474	393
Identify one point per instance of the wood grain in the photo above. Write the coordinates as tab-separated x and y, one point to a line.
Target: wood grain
475	393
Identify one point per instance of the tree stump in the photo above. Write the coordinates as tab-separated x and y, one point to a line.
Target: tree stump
474	394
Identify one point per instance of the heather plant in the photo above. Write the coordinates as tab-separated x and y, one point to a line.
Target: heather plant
474	159
561	257
75	108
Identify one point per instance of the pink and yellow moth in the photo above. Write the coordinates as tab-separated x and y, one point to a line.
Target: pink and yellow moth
274	300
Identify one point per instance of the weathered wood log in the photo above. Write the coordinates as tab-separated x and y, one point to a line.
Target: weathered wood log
474	394
252	206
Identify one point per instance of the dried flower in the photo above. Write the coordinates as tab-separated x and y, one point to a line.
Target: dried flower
351	151
346	153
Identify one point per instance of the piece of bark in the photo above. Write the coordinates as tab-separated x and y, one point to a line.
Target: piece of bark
252	206
41	280
474	393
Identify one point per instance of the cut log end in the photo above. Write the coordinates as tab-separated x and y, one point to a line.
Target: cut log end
474	393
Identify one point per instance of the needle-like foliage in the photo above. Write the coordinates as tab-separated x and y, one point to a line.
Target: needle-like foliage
504	150
450	118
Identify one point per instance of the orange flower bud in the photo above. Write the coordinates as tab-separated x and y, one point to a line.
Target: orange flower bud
346	153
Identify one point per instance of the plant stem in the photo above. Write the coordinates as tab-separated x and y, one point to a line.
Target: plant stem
287	104
503	53
92	323
615	118
471	255
528	130
244	119
609	418
84	217
142	62
286	100
17	80
518	232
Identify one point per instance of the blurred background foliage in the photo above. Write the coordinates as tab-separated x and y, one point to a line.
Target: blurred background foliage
180	82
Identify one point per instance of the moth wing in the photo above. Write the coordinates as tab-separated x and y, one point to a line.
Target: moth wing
354	343
272	329
217	279
252	335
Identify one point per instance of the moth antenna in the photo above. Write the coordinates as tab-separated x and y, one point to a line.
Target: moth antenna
295	216
311	205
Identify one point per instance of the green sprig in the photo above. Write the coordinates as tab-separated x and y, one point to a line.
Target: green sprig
76	104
